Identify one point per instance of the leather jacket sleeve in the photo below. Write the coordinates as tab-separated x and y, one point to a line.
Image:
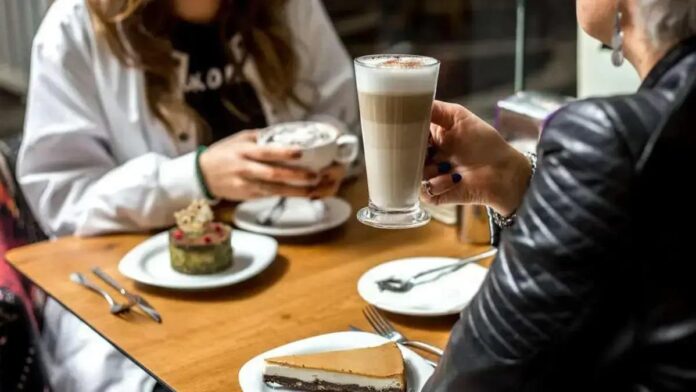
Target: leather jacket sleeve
542	289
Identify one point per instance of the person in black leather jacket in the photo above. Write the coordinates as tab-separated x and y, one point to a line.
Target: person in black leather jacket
594	286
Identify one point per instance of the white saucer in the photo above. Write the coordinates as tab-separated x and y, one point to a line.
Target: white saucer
445	296
149	263
251	374
300	217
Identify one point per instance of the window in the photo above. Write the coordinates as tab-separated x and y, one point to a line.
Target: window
473	39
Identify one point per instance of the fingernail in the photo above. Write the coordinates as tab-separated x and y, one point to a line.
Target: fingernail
314	198
297	154
456	178
431	151
444	167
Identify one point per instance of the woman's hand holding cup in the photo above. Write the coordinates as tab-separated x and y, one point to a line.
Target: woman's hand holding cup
237	168
254	164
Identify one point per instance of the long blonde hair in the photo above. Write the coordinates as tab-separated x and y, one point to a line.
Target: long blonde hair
137	32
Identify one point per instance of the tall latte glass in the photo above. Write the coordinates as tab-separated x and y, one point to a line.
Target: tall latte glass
396	93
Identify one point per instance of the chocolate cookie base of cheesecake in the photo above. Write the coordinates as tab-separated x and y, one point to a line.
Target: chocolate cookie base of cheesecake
321	386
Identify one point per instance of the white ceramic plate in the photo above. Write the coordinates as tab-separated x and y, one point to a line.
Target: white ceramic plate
300	217
251	374
445	296
149	263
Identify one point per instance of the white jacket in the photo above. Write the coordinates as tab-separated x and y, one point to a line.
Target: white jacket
95	160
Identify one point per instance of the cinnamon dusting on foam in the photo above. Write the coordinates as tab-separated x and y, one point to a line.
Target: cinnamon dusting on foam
410	63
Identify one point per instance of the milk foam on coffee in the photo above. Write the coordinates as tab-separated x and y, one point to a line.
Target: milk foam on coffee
396	74
307	136
395	94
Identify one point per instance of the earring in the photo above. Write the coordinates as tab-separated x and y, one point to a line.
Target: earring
617	42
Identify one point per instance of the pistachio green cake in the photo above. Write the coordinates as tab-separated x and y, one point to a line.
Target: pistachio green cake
199	246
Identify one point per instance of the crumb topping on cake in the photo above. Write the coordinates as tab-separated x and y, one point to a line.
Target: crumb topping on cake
195	218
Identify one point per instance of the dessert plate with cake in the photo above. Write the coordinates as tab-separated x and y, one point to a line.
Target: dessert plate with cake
446	295
299	216
342	361
198	253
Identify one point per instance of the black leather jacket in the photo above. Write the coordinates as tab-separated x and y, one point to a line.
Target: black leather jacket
594	288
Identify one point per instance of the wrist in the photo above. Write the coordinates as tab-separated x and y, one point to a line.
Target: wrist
512	180
201	170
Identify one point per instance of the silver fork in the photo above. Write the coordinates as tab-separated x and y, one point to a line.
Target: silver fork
356	329
387	330
114	307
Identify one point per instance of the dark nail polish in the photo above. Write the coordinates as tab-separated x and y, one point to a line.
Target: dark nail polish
431	152
444	167
456	178
314	198
297	154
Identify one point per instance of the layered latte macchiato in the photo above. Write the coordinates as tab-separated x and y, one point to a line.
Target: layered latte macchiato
395	95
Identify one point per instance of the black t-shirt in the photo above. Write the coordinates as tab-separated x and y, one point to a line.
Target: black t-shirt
225	102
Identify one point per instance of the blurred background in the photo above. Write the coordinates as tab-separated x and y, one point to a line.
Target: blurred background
474	39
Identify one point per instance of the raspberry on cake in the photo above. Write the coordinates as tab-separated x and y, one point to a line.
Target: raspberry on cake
197	245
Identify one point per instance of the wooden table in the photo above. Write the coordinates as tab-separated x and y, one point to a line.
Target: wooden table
206	337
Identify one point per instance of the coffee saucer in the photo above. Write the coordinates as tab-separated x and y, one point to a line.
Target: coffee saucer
300	217
446	296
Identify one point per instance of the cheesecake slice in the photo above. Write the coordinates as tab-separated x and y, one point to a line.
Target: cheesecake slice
372	369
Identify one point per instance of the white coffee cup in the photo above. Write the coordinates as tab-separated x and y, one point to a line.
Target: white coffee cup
317	153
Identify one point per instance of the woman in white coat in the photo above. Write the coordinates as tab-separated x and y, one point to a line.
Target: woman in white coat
124	97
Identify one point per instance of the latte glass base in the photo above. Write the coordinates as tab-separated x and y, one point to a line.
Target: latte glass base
393	219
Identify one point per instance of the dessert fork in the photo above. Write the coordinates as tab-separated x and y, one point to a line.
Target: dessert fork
383	327
137	299
356	329
114	307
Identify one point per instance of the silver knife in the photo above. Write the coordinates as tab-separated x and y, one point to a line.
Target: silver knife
356	329
139	301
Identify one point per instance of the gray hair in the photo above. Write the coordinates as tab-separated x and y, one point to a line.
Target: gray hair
668	21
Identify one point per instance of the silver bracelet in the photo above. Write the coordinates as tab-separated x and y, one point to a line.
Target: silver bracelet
507	221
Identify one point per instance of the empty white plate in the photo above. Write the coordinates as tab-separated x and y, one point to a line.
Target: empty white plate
301	216
149	263
251	374
445	296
